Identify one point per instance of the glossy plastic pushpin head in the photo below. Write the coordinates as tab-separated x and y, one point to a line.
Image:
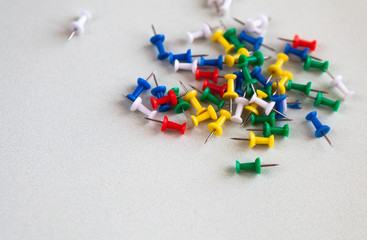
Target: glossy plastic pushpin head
215	88
286	77
170	125
138	105
205	31
253	140
208	75
327	102
158	92
255	42
309	63
276	69
224	9
230	36
256	74
231	60
143	85
305	88
268	107
279	104
252	166
191	98
298	42
77	27
212	62
218	37
321	129
183	57
210	113
158	40
257	59
337	81
216	127
186	66
207	96
269	130
241	103
170	98
298	52
262	119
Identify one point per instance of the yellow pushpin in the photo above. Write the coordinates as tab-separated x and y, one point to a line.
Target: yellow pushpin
191	98
252	108
210	113
253	140
216	127
286	76
230	60
275	70
218	37
230	94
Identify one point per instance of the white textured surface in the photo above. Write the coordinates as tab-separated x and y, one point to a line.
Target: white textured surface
75	163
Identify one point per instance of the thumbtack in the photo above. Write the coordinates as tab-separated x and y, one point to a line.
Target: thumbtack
239	82
320	100
241	103
300	53
230	36
309	63
253	107
191	98
337	81
256	59
275	70
253	140
218	37
205	31
216	127
256	25
269	119
138	105
252	166
215	88
224	9
207	96
170	98
269	130
230	94
256	74
231	60
142	86
321	130
297	42
158	40
212	62
305	88
208	75
170	125
279	104
183	57
210	113
182	105
280	85
256	42
77	27
186	66
158	92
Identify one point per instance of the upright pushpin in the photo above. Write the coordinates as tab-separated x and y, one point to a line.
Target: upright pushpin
224	9
305	88
309	63
218	37
230	94
257	25
208	75
158	92
275	70
170	98
320	100
230	36
337	81
191	98
205	31
256	74
215	88
255	42
183	57
186	66
142	86
252	166
231	60
216	127
138	105
170	125
207	96
321	130
182	105
253	140
210	113
239	82
241	103
77	27
158	40
298	42
212	62
269	130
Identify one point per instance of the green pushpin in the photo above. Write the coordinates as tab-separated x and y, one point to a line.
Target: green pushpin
182	105
306	89
270	119
230	36
257	59
252	166
309	63
207	96
269	130
243	66
320	100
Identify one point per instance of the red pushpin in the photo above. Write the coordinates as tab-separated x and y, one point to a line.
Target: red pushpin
170	125
297	42
170	98
215	88
208	75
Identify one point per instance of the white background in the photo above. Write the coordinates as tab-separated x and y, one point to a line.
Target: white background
77	164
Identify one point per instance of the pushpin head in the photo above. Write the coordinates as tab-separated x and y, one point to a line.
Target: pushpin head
216	35
319	98
229	60
258	42
160	89
190	95
78	26
214	127
144	83
238	166
296	42
252	140
320	131
258	166
308	64
165	123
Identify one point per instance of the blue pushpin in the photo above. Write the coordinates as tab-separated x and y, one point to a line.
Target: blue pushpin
212	62
142	86
279	105
256	42
239	82
183	57
321	130
158	40
158	92
302	54
256	73
295	105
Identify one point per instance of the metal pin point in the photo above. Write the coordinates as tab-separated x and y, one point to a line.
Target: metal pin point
126	98
150	75
217	6
210	135
329	73
71	35
328	140
269	165
155	80
153	28
195	88
223	25
184	87
200	55
268	47
282	114
269	79
285	39
154	120
239	21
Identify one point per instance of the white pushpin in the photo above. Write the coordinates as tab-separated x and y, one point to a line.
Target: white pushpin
337	81
224	9
215	3
241	103
77	27
257	25
186	66
268	107
204	32
138	105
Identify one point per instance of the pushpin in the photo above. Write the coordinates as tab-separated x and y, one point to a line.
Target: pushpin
309	63
182	105
215	88
230	36
255	42
191	98
243	65
208	75
268	107
170	125
215	3
206	32
77	27
230	94
184	57
138	105
207	96
212	62
239	82
257	59
224	9
337	81
158	92
218	37
158	40
253	140
294	105
279	104
275	70
252	166
253	107
321	130
142	86
241	103
297	42
305	88
231	60
269	130
256	25
210	113
269	119
320	100
256	74
170	98
298	52
186	66
216	127
280	85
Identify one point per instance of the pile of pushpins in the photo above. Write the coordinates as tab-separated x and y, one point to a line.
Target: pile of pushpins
251	90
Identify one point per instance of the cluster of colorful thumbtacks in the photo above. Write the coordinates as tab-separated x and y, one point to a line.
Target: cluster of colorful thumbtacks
265	101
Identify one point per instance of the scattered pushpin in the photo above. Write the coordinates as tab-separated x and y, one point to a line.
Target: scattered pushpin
138	105
210	113
230	94
256	59
257	25
253	140
170	98
230	36
337	81
216	127
320	100
252	166
158	40
256	42
207	96
297	42
309	63
321	130
170	125
268	107
206	32
77	27
253	107
239	82
142	86
241	103
215	88
256	74
182	105
269	130
183	57
186	66
279	86
269	119
275	70
208	75
294	105
305	88
191	98
298	52
231	60
212	62
224	9
218	37
279	100
158	92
